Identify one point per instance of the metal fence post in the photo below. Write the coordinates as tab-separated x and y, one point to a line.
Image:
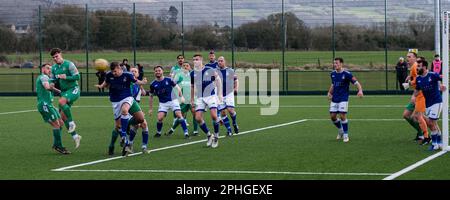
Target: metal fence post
87	52
232	35
182	28
283	44
81	82
40	36
32	81
333	43
134	34
385	44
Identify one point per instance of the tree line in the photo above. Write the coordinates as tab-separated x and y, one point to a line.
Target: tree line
65	27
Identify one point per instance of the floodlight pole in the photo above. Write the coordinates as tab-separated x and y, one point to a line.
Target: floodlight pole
445	70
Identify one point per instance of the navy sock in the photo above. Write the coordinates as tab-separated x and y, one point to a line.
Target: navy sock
204	128
226	122
433	139
233	118
159	126
216	127
183	125
124	124
345	126
145	137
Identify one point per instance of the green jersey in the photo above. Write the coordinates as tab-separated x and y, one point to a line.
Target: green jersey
183	79
43	95
71	72
175	70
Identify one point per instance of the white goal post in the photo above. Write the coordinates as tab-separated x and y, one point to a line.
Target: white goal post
445	62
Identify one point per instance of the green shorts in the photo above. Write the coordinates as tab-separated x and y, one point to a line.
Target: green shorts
410	107
71	95
134	108
185	107
48	112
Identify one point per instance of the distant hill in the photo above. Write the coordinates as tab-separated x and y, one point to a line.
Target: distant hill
313	13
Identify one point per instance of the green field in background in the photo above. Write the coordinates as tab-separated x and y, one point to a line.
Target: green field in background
359	59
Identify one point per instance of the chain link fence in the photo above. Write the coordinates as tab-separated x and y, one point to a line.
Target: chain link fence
298	37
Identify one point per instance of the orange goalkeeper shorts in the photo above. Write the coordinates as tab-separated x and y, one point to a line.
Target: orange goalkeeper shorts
420	103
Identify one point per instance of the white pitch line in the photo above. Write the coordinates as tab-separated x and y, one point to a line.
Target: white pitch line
15	112
397	119
225	172
175	146
415	165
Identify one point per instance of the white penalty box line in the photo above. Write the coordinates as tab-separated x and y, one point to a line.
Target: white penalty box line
174	146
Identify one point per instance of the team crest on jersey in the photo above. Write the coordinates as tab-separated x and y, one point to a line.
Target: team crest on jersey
125	79
343	77
429	79
167	83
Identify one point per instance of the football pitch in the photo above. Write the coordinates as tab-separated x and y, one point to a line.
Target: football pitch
298	143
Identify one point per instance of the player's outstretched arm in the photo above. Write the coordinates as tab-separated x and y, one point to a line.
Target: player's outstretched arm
360	90
103	85
143	82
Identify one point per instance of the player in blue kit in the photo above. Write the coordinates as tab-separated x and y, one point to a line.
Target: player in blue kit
429	84
338	94
162	87
230	86
119	83
203	94
212	60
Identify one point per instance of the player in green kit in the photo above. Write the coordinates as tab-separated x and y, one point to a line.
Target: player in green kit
177	68
183	79
45	107
66	74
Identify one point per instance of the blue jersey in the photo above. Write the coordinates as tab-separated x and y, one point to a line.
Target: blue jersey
119	87
341	82
163	89
136	92
203	79
213	65
228	76
430	88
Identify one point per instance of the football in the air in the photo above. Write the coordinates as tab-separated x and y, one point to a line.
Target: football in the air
101	64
